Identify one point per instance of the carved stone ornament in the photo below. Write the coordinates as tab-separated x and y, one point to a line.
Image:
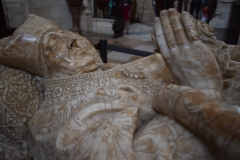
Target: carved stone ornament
180	104
20	95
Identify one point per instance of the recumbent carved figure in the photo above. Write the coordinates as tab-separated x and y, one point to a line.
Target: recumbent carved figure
180	103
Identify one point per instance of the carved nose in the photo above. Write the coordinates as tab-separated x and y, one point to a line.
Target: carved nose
72	43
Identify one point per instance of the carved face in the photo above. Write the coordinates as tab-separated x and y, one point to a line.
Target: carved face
64	55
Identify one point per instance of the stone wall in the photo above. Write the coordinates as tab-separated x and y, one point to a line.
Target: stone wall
55	10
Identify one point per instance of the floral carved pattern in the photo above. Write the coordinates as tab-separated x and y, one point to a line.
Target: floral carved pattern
20	94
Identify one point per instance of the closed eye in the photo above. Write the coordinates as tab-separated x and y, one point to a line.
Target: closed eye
52	44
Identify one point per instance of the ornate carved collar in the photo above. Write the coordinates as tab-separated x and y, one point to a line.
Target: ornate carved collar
151	73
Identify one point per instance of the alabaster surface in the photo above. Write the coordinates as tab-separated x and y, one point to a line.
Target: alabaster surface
187	57
108	115
20	95
175	104
199	63
40	47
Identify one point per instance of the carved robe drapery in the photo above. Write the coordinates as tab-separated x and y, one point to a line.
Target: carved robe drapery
108	115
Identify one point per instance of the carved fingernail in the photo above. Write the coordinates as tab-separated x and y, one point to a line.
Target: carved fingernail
172	11
184	13
163	13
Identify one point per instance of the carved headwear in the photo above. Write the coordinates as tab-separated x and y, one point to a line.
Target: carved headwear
23	50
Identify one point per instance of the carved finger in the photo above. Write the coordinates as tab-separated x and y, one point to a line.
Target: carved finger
177	26
161	41
189	26
167	29
193	19
153	36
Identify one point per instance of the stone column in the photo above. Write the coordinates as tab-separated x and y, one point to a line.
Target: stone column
75	8
86	17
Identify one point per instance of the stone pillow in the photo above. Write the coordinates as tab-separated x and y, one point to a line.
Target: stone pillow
20	96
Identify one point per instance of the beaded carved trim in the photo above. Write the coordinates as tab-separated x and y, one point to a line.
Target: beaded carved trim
137	74
61	89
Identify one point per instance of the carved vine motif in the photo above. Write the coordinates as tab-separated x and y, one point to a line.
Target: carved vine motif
19	100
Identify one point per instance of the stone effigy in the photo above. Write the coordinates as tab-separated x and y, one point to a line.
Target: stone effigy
69	105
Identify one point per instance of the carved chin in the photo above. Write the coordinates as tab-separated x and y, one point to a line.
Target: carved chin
82	69
90	68
68	71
